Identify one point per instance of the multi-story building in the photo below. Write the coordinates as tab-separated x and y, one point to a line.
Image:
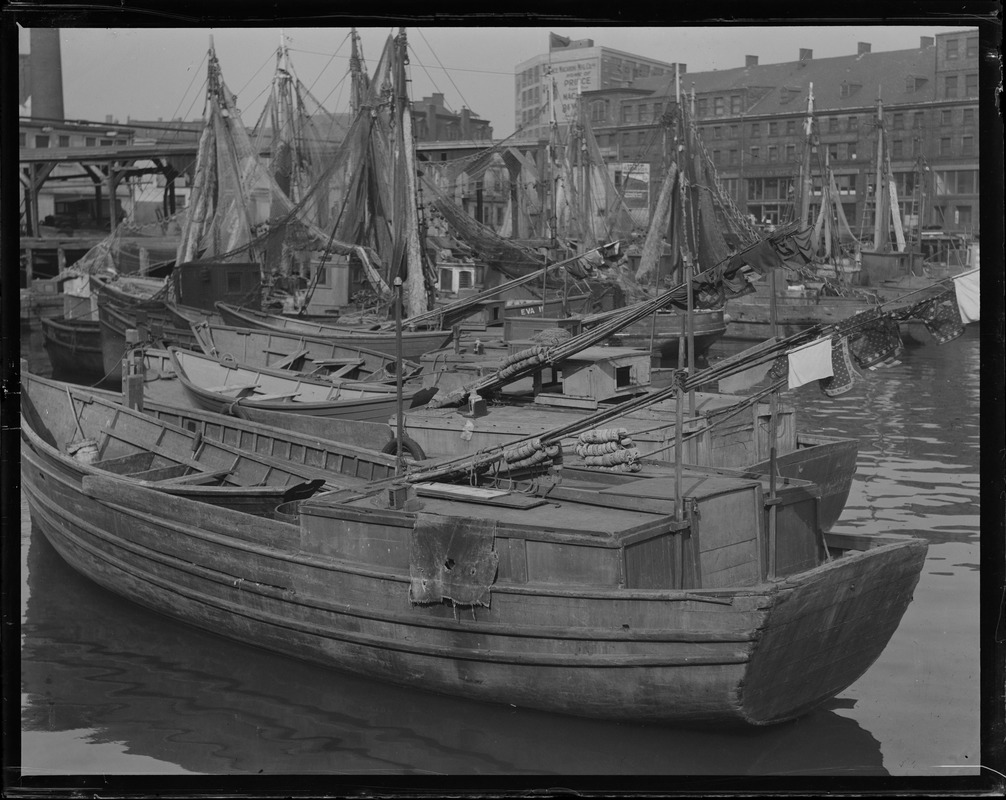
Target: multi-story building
576	66
434	122
751	121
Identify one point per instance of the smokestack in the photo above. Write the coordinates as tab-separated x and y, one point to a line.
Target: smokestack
750	61
46	74
862	47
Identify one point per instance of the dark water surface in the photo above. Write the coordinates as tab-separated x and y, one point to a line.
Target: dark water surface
108	687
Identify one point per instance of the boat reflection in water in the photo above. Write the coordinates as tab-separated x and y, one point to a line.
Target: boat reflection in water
166	691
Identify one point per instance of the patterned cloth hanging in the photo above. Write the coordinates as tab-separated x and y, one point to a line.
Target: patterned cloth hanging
845	374
941	316
878	344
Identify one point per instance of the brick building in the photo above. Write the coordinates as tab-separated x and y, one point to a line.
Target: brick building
751	122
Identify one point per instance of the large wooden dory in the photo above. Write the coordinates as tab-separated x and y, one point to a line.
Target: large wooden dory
220	386
256	347
73	347
589	597
69	433
414	343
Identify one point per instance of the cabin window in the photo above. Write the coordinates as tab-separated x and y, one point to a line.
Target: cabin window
234	282
465	279
623	376
446	284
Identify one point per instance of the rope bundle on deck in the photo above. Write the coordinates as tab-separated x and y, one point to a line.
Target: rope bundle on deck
608	449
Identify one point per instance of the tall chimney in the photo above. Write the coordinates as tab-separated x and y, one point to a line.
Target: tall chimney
805	54
750	61
926	41
862	47
46	74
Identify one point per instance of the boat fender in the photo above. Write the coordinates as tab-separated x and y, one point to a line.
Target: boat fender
410	447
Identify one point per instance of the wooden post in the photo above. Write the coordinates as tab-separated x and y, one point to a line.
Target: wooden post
398	378
132	371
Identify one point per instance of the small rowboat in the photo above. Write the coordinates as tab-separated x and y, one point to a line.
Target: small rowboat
299	352
74	348
221	386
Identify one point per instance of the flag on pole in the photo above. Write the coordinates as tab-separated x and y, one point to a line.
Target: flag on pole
967	287
556	42
810	362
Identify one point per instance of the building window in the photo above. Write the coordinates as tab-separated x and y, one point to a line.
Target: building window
658	110
946	117
733	156
898	121
641	138
733	131
833	151
791	152
64	141
972	47
755	152
963	215
916	146
790	127
773	129
701	107
966	181
755	130
945	146
644	112
106	142
735	104
897	149
918	120
773	153
969	116
833	125
22	139
971	85
967	145
626	113
951	86
951	48
599	110
718	108
717	157
717	132
852	124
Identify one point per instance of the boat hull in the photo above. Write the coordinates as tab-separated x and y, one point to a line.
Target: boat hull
414	343
74	348
755	656
751	318
665	335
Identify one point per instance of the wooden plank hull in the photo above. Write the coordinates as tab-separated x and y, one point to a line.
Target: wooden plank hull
114	322
74	348
323	592
265	348
665	335
414	343
218	386
750	317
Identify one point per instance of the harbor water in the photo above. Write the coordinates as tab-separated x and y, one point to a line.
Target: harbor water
111	688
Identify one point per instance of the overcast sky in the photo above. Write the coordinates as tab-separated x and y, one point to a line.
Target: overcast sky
146	74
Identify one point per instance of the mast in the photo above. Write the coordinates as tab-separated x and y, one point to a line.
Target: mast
356	74
879	193
415	283
806	183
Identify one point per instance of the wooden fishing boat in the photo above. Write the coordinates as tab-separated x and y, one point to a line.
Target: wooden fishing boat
69	433
314	355
74	347
414	343
155	327
595	583
131	291
220	386
750	317
663	332
725	431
